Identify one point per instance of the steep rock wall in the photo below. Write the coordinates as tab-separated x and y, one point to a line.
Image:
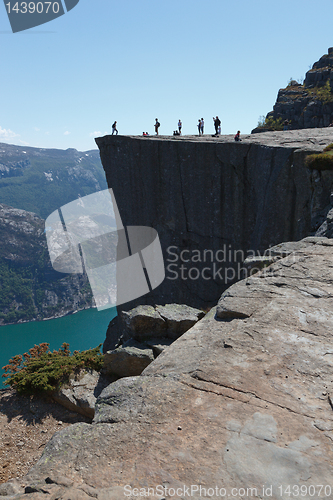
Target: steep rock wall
230	199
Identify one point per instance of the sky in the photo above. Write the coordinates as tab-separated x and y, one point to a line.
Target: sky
65	82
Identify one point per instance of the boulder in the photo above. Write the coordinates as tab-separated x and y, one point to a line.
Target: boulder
143	322
81	392
128	360
179	318
149	331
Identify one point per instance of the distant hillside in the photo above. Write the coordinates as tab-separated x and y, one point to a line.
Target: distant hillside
29	287
42	180
39	181
304	105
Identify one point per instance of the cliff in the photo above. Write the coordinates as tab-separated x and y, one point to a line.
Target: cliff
29	287
214	201
244	398
305	105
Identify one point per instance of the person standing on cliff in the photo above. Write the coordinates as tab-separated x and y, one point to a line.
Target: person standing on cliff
180	126
114	128
157	125
202	126
217	123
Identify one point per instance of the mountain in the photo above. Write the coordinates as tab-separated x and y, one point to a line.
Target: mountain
42	180
30	289
306	105
33	183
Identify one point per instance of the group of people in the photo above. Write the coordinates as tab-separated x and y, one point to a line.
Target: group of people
201	125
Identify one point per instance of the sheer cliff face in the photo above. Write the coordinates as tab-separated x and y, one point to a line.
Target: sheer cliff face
215	202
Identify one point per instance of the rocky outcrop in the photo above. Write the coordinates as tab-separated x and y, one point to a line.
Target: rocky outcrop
242	400
215	202
136	337
309	104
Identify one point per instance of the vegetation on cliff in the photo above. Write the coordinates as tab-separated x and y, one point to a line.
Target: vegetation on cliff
321	161
323	93
42	371
268	123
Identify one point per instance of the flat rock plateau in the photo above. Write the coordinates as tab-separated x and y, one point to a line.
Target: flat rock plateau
242	400
214	193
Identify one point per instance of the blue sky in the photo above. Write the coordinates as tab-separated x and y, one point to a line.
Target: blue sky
66	81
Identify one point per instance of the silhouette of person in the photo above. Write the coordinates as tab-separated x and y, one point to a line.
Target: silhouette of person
180	126
114	128
157	125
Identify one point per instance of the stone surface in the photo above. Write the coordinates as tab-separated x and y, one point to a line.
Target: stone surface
128	360
179	318
326	229
158	345
233	403
81	392
210	195
144	323
10	488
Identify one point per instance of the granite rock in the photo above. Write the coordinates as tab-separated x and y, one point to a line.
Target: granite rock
215	202
144	323
235	402
80	393
128	360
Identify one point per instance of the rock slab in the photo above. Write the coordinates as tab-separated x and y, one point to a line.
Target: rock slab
236	402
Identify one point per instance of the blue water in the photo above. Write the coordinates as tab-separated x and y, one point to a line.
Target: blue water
83	330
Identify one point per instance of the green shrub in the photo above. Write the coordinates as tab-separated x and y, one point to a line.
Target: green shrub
270	124
328	148
321	161
41	371
323	94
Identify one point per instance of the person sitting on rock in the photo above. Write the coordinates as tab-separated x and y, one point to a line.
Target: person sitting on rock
237	136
